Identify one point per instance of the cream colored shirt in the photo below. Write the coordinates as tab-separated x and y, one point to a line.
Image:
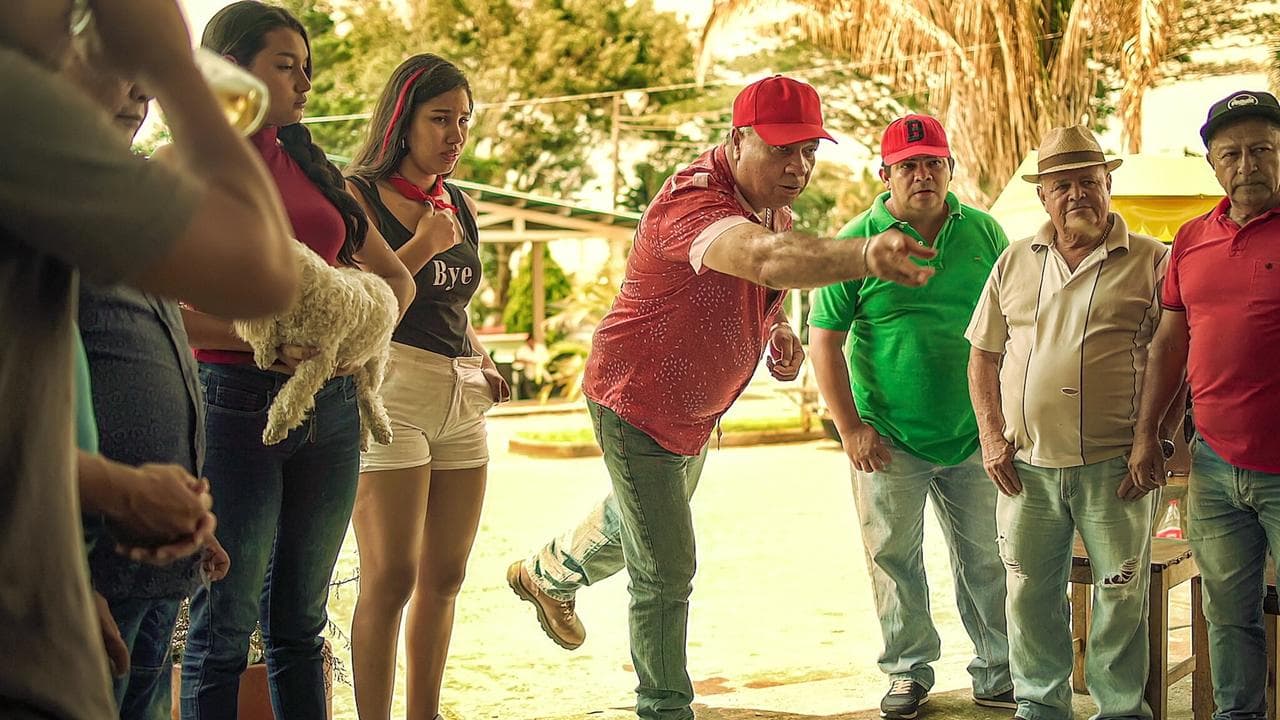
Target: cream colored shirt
1074	343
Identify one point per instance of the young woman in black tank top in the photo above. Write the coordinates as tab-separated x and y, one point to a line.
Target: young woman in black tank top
418	502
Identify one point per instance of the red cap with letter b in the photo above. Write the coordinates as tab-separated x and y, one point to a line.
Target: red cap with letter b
913	135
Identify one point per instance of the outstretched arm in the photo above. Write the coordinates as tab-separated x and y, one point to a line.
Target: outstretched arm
797	260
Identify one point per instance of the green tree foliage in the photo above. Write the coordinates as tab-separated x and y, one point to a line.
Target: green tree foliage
834	196
1274	70
1000	74
512	51
518	315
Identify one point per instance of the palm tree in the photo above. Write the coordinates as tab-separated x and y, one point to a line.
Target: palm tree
998	73
1275	68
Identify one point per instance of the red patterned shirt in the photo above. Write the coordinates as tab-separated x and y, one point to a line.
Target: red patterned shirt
682	341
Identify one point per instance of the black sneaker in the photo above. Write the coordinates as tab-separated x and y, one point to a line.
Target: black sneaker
1004	700
903	700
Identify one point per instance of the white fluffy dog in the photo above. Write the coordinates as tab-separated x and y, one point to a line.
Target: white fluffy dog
348	316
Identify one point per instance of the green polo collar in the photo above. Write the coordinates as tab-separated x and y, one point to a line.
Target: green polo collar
880	219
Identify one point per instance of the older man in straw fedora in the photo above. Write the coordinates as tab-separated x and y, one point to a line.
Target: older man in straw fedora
1060	340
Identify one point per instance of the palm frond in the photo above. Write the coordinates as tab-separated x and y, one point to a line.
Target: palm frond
1143	51
998	73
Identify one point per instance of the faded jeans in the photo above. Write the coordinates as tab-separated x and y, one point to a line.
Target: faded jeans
1235	519
1037	529
646	526
890	507
146	626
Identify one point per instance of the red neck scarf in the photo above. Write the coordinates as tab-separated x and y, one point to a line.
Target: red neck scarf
436	197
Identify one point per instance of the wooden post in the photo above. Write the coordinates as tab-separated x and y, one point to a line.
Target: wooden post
1081	619
539	290
615	136
1202	676
616	266
1158	628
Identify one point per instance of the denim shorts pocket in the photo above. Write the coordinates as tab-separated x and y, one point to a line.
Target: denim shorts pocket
238	400
349	390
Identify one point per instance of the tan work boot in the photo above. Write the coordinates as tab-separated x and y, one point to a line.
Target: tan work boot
557	618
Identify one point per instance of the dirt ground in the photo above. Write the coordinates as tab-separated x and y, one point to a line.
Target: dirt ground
782	620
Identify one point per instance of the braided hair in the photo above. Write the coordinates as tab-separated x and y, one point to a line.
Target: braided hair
239	30
418	79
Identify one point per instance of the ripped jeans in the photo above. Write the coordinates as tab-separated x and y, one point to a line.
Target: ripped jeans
1035	534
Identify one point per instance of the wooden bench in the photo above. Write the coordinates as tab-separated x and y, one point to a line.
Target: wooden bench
1171	565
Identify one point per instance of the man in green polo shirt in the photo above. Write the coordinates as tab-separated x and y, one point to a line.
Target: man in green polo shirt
901	403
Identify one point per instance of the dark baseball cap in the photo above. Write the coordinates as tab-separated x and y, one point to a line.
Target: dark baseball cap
1237	105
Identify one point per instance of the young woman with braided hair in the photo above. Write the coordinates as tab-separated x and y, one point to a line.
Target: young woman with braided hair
418	503
283	510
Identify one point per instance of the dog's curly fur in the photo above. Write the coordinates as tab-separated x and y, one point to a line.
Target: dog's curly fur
348	315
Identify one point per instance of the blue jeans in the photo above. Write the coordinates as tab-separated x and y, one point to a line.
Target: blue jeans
1037	528
283	511
1235	519
645	525
890	507
147	628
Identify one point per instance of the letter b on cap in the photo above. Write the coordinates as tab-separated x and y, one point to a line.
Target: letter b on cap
915	130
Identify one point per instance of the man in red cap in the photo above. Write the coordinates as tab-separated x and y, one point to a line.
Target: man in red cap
899	396
700	303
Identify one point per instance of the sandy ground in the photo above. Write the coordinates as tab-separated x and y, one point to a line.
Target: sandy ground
782	620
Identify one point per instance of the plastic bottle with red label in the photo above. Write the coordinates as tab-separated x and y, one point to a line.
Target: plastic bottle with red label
1171	524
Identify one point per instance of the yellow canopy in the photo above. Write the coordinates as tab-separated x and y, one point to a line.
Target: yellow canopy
1155	194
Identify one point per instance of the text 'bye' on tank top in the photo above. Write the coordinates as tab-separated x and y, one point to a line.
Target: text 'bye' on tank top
437	320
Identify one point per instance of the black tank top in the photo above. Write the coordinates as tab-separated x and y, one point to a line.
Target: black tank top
437	319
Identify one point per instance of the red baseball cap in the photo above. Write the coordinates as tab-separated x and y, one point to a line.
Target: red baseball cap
913	135
781	111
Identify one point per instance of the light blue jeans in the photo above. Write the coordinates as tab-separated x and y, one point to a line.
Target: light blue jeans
1235	519
890	507
646	526
1037	528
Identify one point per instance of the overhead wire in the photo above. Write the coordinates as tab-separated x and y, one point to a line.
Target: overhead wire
656	89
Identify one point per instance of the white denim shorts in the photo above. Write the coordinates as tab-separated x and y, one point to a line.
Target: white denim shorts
437	406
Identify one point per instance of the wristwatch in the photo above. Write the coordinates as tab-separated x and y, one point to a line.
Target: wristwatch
1167	448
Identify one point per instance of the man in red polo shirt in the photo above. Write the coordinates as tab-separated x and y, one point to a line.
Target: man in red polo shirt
699	304
1221	323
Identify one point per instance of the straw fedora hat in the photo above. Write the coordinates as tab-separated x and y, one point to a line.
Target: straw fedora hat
1068	148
